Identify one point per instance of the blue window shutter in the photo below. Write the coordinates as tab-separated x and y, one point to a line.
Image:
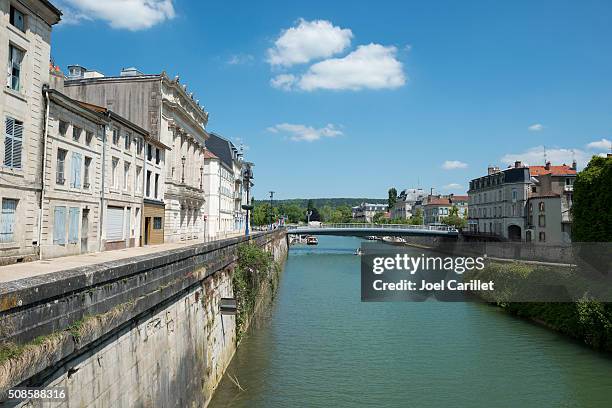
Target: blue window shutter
59	226
76	168
7	220
73	229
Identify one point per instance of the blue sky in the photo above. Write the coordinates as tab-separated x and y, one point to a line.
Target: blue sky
339	98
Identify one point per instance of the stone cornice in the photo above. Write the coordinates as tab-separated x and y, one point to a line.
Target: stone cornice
182	91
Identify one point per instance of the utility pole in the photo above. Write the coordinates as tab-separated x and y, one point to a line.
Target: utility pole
271	208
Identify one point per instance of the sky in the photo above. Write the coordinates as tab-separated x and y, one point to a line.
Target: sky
350	98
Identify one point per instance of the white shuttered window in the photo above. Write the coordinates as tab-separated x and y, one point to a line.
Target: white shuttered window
13	143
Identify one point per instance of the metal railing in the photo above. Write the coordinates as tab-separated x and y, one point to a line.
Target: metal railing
375	226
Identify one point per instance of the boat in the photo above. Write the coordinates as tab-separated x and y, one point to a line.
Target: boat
358	252
311	240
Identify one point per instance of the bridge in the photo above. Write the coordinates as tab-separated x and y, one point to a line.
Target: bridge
364	230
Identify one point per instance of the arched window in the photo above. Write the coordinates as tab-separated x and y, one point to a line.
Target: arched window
541	206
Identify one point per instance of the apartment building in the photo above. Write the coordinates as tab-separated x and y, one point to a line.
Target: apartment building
498	202
404	206
365	212
25	46
231	217
172	116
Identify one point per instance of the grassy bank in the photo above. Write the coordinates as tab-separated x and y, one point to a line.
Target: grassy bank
586	320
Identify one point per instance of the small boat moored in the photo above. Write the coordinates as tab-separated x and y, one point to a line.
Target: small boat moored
311	240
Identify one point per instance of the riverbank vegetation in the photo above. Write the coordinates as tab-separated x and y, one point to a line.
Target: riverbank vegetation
584	319
256	271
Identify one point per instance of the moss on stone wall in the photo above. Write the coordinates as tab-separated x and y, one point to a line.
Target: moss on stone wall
256	269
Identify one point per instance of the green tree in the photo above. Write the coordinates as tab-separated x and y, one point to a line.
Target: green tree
392	198
379	218
417	217
592	206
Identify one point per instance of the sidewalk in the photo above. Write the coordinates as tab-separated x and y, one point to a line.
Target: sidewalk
30	269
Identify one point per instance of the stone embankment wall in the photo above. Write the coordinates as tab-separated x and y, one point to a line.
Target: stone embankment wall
144	332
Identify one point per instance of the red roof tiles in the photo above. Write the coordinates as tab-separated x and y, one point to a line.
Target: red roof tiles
554	170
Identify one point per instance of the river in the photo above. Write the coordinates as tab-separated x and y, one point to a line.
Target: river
321	346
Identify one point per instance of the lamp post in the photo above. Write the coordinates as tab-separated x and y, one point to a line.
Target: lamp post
183	176
308	214
247	176
271	208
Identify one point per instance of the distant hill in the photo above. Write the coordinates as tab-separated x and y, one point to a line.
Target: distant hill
332	202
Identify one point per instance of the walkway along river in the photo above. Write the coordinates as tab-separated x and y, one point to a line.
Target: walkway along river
321	347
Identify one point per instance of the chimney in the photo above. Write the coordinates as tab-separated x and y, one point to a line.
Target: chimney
547	166
574	165
518	164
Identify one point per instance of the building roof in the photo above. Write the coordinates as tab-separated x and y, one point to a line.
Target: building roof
563	170
222	148
438	201
209	155
460	198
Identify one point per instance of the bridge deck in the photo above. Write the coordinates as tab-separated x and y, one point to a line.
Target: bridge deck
363	230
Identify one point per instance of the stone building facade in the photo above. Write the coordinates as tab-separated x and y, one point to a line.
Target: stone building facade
171	115
25	46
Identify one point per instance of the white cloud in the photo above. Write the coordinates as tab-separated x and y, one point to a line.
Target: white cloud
307	41
453	165
283	81
371	66
535	156
300	133
240	59
131	15
536	127
603	144
452	186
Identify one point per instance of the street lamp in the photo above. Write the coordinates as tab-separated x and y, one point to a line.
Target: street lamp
271	208
247	176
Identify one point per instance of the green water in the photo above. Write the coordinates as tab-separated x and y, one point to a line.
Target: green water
322	347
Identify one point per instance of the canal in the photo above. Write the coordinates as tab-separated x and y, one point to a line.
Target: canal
321	347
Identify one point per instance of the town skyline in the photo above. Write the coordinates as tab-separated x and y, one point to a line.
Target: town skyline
457	88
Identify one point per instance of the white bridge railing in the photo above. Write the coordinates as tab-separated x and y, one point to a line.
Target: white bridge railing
383	227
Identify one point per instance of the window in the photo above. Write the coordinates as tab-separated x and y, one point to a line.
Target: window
542	220
63	127
514	194
17	19
73	225
138	183
126	176
116	137
542	236
60	172
86	172
7	220
14	68
534	189
75	170
157	155
59	226
76	133
13	141
148	187
127	140
88	137
541	206
156	185
149	152
114	174
157	223
139	145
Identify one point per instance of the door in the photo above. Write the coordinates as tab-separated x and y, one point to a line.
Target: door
147	230
84	230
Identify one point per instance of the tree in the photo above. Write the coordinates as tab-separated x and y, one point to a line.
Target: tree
592	202
315	213
379	218
417	217
392	198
